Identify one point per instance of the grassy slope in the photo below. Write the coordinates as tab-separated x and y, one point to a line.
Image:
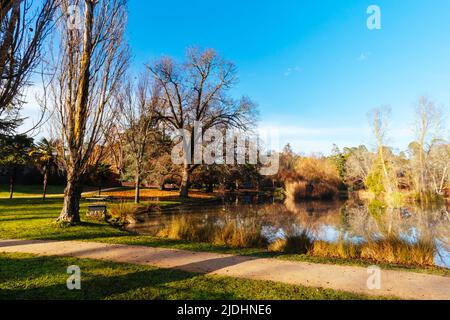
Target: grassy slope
31	218
27	276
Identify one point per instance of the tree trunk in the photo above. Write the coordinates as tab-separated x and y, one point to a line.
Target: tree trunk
137	190
385	171
161	183
44	184
210	187
11	182
184	188
442	184
72	195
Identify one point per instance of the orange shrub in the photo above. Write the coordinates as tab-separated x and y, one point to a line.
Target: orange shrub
314	169
318	179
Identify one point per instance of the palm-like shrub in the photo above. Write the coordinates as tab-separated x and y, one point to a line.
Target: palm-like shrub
44	157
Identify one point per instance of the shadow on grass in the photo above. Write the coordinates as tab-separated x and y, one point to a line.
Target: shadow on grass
40	278
143	255
12	243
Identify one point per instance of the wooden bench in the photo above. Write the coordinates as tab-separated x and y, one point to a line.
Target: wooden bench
99	199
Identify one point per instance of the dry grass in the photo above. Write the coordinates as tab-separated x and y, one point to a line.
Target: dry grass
120	213
184	228
248	234
231	234
398	251
297	244
155	193
393	250
238	235
123	213
335	250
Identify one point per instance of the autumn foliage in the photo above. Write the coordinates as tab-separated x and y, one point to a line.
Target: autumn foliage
317	178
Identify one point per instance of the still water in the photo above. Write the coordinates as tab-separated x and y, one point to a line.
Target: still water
326	221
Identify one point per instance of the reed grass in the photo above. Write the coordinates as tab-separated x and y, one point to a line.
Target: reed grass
124	212
297	244
391	250
238	234
232	233
340	250
399	251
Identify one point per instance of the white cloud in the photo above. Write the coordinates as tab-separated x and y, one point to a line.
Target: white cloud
292	70
364	56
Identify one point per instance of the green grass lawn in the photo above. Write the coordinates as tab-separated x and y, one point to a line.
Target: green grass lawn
34	191
32	218
25	276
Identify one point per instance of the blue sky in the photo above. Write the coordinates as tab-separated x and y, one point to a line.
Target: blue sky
313	66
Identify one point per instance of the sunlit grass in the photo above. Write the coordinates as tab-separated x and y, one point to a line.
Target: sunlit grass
32	191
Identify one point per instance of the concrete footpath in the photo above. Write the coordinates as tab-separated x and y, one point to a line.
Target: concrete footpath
401	284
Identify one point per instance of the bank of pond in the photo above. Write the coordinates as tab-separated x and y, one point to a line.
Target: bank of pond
336	229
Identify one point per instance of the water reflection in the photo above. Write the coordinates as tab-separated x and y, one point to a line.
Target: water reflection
422	232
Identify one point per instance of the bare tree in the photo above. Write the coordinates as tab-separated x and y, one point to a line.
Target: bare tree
23	29
139	125
196	91
380	123
114	150
427	130
438	167
89	66
358	166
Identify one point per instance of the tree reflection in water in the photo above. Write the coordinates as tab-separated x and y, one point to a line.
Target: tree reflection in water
409	235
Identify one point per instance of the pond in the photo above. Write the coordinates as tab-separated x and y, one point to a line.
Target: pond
337	229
